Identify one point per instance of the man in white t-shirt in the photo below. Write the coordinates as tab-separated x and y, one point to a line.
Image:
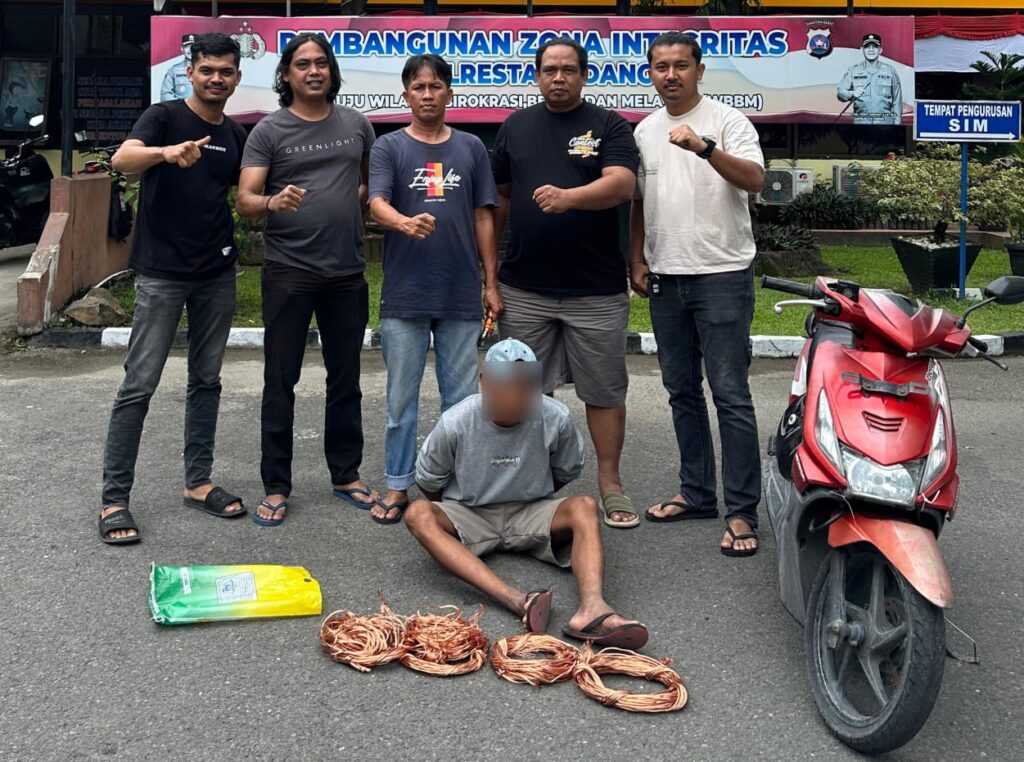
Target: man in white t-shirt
691	254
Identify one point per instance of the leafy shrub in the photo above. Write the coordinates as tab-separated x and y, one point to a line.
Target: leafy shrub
925	185
783	238
825	208
999	202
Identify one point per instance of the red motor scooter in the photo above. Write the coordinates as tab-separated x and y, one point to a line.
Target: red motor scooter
860	478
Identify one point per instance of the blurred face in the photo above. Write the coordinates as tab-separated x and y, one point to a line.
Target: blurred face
675	73
872	51
560	78
309	73
214	78
511	399
427	96
186	50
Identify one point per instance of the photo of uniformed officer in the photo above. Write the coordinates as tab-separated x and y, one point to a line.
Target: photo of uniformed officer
176	86
873	86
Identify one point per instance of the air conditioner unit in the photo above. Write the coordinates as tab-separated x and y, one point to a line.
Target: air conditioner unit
848	181
781	186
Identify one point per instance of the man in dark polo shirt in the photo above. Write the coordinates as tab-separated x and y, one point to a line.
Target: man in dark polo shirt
305	168
562	169
188	153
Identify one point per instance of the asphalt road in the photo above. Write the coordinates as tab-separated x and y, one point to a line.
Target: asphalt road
85	674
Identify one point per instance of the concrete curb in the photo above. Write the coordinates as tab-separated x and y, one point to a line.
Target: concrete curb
636	343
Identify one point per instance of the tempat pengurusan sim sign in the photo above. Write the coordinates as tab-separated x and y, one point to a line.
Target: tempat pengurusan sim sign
774	68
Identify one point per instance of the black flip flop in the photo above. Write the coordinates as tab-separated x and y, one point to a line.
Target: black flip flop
216	501
538	611
401	505
689	513
632	636
115	522
745	536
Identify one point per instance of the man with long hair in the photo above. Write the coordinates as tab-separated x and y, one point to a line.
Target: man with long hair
305	169
188	153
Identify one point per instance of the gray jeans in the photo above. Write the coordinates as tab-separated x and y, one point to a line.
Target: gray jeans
158	307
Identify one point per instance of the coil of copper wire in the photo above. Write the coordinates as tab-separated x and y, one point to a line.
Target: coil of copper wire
444	644
364	642
591	666
511	659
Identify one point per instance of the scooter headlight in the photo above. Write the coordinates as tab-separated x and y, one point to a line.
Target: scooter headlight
938	456
825	432
888	484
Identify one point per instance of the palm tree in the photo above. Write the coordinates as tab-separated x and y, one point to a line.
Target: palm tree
1002	78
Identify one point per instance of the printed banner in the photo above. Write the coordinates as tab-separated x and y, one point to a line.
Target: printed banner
774	68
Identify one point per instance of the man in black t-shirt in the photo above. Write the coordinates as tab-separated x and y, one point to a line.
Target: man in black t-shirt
562	169
184	254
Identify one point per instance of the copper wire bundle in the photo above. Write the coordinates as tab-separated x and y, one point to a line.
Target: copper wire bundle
364	642
444	644
508	662
618	661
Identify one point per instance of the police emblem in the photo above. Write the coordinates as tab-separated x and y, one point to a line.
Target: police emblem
819	42
251	44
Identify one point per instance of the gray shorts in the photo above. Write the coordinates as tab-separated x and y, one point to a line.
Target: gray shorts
511	527
582	338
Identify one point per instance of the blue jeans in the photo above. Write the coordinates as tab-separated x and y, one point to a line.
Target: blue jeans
158	307
405	342
704	320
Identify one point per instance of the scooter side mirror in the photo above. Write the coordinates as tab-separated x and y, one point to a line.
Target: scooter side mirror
81	137
36	121
1008	289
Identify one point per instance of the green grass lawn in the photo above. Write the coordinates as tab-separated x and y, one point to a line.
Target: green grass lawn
872	267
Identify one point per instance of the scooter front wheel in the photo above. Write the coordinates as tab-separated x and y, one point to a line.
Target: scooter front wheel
875	650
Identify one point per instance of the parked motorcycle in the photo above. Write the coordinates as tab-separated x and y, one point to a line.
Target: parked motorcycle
24	192
860	478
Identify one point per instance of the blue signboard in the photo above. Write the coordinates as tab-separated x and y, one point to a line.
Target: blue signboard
967	121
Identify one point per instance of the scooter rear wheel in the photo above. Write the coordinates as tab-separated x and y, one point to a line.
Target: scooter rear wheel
875	651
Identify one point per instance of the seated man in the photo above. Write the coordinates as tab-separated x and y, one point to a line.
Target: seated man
490	469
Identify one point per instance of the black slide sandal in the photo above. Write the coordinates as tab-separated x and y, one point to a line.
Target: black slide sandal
216	501
118	521
732	553
689	513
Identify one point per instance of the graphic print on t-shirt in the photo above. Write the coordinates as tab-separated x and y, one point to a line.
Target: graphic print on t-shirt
584	145
435	180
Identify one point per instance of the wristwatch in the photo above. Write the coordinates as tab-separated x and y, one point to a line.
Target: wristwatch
706	153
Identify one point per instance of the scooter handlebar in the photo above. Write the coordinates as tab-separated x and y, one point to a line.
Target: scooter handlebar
806	290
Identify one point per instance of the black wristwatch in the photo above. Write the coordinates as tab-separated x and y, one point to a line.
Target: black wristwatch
706	153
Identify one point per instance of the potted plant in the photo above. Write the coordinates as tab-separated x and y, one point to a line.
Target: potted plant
1001	205
925	187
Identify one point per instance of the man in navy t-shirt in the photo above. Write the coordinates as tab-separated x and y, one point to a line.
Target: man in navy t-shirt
184	255
432	190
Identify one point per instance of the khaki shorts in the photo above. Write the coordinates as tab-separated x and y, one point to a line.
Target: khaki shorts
511	527
582	338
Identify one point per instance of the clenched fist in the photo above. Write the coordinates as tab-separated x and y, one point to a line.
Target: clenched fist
288	200
185	154
552	200
418	227
684	137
